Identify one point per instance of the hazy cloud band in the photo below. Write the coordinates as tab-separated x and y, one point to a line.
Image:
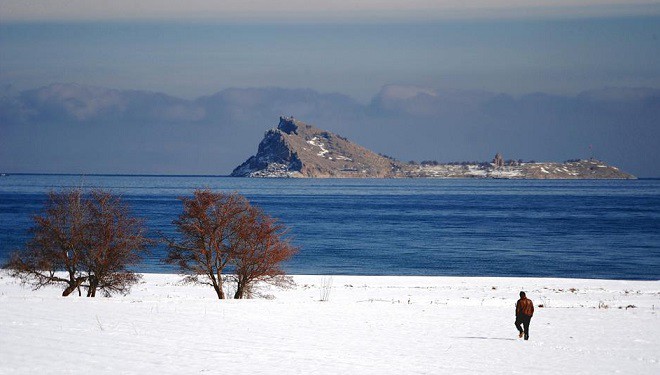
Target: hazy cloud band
314	10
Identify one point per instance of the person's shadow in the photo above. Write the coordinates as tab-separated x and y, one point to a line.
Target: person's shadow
483	338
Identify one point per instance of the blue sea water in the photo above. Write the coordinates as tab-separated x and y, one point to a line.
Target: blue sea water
584	229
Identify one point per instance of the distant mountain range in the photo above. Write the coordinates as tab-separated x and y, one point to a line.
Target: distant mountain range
297	149
70	128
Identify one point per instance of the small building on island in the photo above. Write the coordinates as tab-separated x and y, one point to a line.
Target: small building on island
498	162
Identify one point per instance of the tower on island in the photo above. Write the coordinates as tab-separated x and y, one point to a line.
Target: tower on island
498	162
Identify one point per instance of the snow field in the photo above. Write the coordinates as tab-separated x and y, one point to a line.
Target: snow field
369	325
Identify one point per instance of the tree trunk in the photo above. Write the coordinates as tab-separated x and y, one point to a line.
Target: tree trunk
242	288
73	285
239	291
219	291
93	284
217	285
69	289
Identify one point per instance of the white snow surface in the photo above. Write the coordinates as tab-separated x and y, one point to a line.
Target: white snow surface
506	173
368	325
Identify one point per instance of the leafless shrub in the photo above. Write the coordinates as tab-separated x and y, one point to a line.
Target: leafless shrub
326	288
82	240
207	238
259	252
223	232
99	323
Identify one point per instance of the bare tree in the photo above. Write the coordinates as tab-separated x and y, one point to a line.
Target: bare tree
223	237
208	237
81	238
261	250
57	244
115	241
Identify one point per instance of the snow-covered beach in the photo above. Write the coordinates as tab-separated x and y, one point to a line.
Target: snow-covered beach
368	325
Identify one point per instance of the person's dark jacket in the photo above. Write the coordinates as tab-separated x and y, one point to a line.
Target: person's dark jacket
525	306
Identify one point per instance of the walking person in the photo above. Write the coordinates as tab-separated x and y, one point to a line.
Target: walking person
524	312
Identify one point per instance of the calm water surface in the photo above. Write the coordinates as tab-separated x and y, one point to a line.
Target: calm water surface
587	229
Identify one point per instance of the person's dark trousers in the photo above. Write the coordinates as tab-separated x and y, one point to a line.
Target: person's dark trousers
524	320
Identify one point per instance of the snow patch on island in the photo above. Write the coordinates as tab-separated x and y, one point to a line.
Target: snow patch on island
316	142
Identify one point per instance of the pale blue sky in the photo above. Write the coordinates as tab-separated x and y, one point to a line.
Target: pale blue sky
191	59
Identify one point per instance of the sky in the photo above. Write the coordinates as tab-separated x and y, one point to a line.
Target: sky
198	48
314	10
201	48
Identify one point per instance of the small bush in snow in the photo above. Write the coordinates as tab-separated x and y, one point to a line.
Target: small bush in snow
326	287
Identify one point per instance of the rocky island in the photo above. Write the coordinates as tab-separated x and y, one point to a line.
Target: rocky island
297	149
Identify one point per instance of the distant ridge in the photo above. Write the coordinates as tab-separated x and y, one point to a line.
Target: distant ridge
297	149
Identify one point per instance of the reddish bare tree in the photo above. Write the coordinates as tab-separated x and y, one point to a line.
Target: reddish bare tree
57	244
81	238
208	237
115	240
222	232
261	250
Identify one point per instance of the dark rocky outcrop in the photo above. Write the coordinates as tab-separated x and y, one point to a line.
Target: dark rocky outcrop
296	149
274	153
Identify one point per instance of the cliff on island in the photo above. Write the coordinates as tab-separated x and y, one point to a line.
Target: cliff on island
296	149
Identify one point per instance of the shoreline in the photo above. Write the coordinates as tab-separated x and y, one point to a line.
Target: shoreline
463	291
377	281
7	174
306	275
